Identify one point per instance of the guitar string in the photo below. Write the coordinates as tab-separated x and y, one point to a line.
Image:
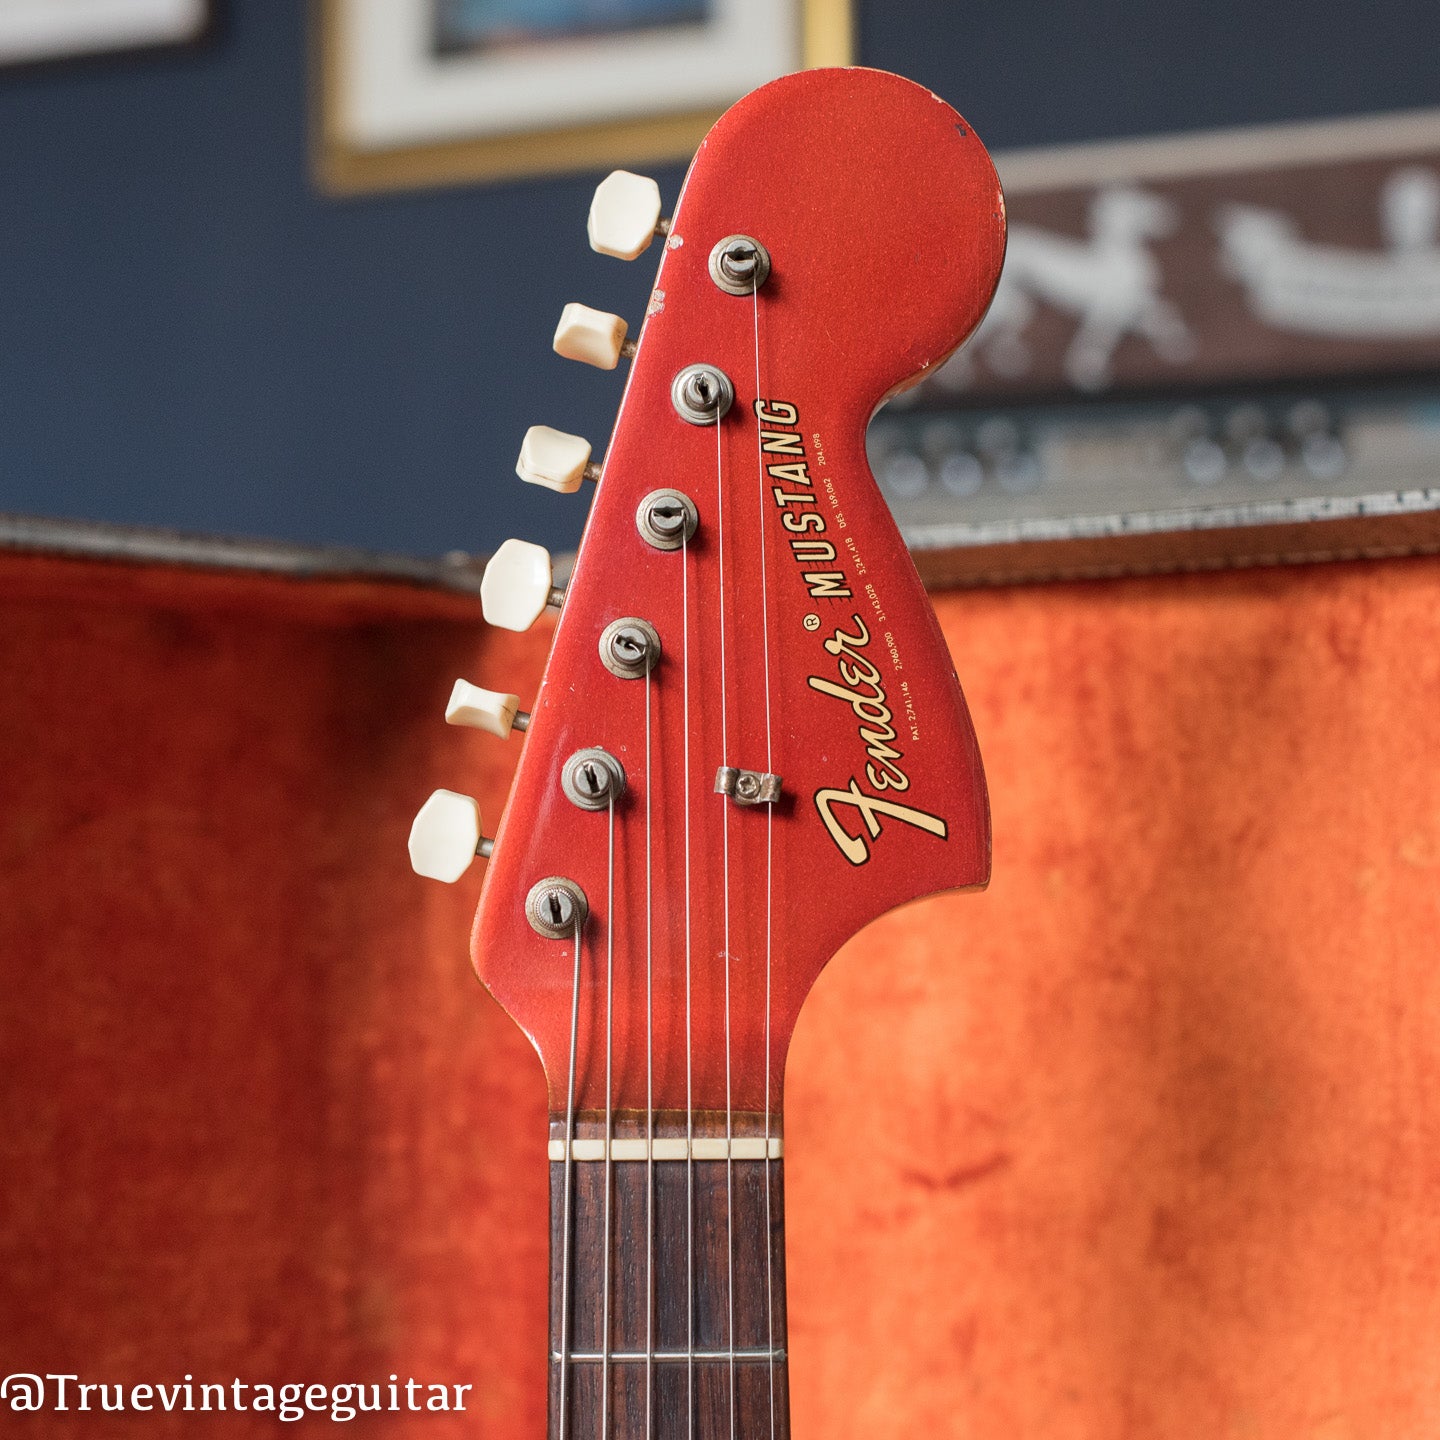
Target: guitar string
725	955
769	871
609	1050
649	1095
689	1057
609	1053
565	1203
609	1120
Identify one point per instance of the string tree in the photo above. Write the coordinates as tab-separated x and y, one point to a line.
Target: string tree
748	787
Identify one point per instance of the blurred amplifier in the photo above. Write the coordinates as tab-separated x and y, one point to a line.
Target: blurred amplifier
1215	350
1060	491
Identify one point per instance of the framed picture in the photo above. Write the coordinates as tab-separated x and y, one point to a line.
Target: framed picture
32	31
421	92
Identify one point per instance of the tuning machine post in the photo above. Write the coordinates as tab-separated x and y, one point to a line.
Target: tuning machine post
739	264
702	394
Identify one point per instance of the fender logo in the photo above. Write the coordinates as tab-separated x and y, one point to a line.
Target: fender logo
864	692
853	847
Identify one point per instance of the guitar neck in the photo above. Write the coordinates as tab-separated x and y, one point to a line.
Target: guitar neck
667	1283
741	607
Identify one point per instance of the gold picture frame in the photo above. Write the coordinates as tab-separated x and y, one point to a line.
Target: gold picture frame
345	166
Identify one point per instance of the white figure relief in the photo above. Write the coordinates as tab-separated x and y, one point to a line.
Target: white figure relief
1111	281
1389	294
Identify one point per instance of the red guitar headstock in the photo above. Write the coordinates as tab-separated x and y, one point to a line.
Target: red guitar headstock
749	741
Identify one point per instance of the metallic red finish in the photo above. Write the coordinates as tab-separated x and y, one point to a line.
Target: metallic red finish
885	222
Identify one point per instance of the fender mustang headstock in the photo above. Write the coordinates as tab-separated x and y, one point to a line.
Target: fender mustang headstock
749	740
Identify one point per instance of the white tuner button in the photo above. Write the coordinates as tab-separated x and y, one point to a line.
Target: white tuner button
593	336
517	585
553	458
445	837
486	710
624	215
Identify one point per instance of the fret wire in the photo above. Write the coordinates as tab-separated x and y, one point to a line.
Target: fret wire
670	1148
641	1357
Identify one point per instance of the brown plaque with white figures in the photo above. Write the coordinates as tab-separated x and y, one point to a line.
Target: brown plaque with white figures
1216	350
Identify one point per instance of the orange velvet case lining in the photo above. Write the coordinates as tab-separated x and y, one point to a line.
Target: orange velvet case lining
1144	1142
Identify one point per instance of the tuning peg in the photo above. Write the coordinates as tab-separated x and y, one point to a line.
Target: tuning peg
625	215
593	336
486	710
553	458
445	838
518	584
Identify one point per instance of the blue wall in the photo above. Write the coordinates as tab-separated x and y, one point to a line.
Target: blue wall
191	336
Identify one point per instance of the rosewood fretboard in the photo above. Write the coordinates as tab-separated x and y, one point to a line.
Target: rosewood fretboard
694	1348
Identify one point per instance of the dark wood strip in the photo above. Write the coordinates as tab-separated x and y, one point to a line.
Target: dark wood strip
728	1206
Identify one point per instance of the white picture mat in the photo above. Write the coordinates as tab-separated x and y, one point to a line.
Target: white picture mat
49	29
396	91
